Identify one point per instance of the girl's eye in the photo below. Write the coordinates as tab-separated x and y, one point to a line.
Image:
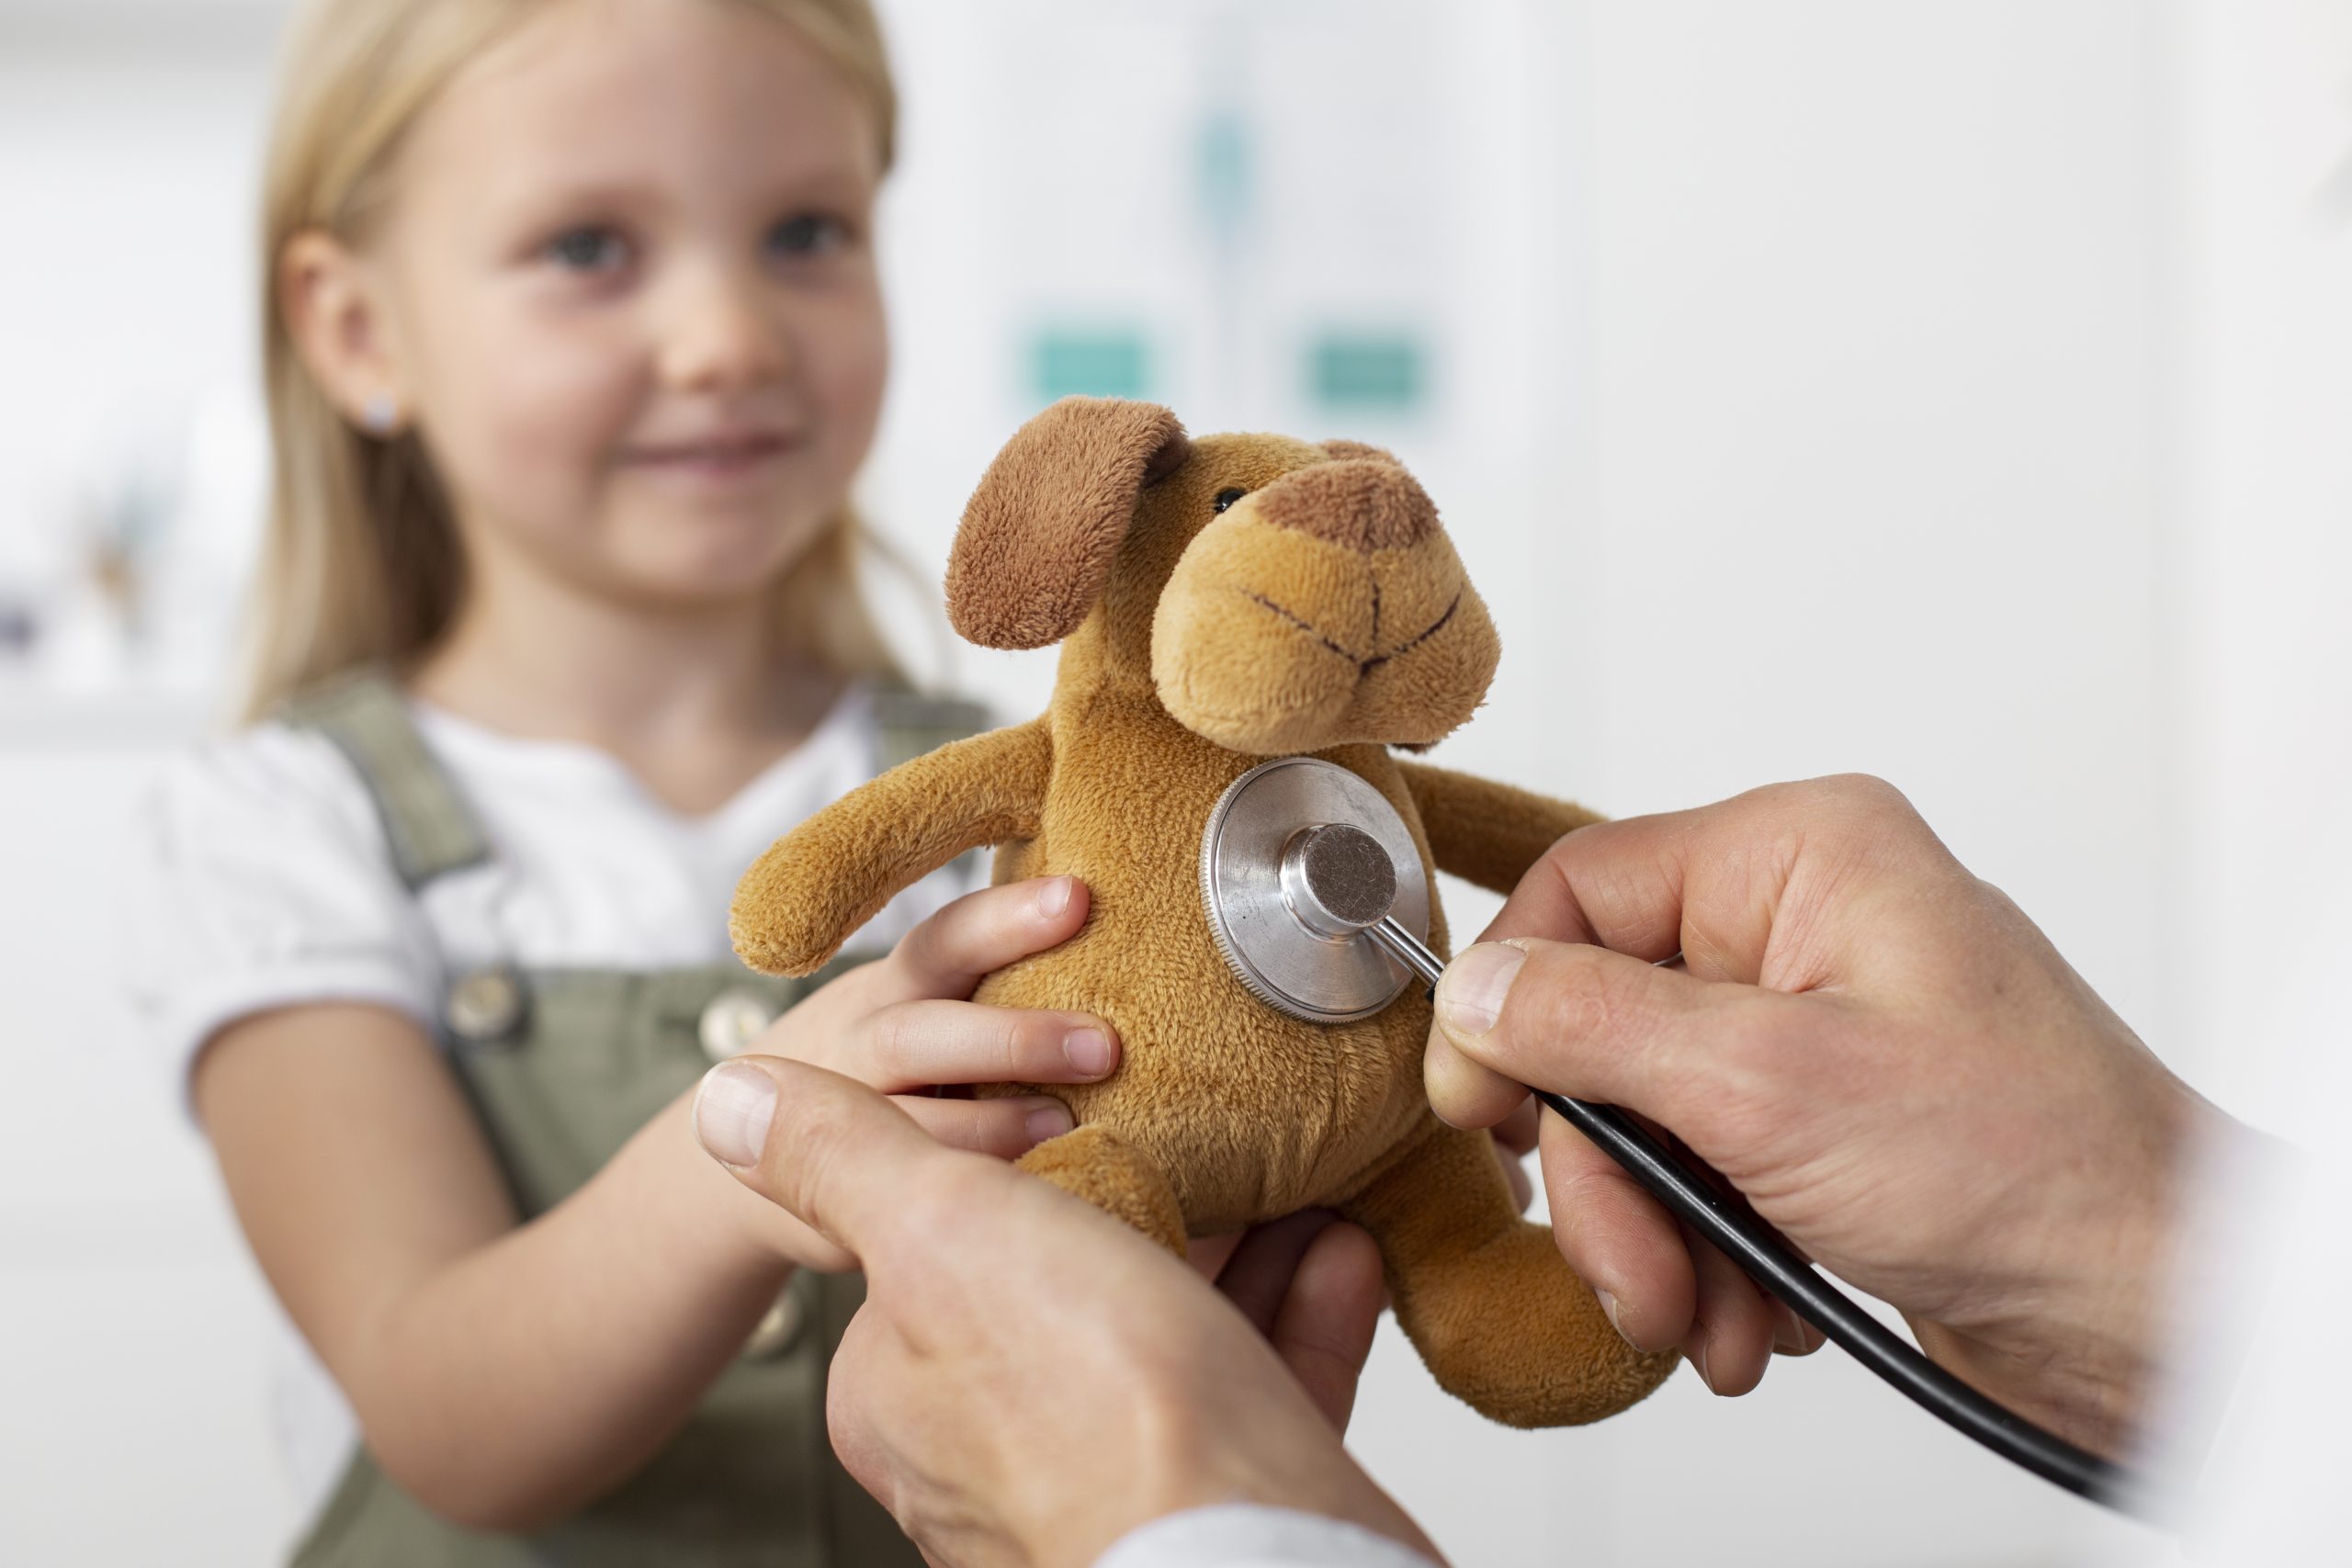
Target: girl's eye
1226	498
808	235
588	250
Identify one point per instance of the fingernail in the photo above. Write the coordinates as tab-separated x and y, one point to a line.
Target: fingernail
1699	1357
1470	993
1089	1051
1047	1121
1609	1311
1054	897
732	1110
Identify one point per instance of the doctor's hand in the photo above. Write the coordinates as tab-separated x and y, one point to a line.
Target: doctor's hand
905	1025
1029	1379
1879	1050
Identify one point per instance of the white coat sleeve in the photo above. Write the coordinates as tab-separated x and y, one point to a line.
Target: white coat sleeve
1245	1535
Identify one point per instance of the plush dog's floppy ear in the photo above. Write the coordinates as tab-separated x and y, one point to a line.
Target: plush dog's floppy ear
1039	534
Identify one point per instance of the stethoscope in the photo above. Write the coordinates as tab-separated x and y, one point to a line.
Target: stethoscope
1317	897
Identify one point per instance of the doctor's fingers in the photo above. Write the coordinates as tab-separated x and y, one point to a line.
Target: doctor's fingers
872	1393
949	954
1515	1137
1660	1285
1619	1240
1588	1023
1324	1328
936	1451
916	1044
831	1152
1311	1283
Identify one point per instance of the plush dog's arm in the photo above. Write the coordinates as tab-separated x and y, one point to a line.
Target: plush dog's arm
1485	832
820	882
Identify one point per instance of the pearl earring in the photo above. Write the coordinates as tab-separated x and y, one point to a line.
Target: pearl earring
381	412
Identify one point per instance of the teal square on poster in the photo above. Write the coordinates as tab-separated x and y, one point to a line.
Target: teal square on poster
1386	371
1098	364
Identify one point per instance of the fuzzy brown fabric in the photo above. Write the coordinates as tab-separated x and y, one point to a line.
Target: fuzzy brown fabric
1217	640
1039	533
1363	504
799	901
1487	833
1276	640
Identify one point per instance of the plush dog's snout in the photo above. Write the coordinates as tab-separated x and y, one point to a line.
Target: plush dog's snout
1325	608
1360	504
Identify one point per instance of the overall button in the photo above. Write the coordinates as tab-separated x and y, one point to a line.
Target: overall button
777	1330
734	1019
485	1006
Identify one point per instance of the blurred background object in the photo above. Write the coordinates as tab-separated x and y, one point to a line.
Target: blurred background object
1954	390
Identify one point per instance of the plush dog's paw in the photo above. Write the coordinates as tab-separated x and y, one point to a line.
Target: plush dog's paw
782	921
1507	1328
1095	1164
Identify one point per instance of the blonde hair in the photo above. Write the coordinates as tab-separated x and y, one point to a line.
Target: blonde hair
361	563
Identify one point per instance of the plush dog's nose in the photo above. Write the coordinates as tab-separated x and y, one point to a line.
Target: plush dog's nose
1362	503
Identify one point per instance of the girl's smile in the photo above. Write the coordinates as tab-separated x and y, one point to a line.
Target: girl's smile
724	457
628	286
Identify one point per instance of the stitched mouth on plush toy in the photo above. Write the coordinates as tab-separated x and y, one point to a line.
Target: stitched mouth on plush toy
1364	666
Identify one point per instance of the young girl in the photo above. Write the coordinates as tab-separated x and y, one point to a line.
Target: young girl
573	347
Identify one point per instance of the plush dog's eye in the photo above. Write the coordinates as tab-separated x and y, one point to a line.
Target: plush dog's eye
1226	498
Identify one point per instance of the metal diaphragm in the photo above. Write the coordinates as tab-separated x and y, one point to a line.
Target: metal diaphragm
1300	856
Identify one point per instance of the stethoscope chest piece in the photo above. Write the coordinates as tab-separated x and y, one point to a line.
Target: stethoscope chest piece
1289	878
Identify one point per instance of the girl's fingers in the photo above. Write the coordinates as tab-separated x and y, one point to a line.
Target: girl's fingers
1620	1240
980	933
1006	1128
915	1045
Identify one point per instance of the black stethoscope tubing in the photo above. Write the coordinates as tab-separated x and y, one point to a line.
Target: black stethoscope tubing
1749	1243
1743	1238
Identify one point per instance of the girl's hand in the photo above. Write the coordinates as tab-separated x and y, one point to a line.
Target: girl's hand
903	1025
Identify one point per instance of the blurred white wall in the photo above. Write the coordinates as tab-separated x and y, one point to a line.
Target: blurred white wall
1811	385
2260	916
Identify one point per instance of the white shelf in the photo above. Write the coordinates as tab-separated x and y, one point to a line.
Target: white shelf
36	716
137	29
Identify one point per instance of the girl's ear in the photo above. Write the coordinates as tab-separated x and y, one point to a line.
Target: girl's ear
337	316
1038	536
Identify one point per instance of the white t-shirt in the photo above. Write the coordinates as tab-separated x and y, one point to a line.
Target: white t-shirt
265	879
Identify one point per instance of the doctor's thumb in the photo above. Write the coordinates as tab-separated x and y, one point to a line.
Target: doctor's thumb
825	1147
1567	1017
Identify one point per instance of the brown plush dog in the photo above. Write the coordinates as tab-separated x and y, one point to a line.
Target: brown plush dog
1225	601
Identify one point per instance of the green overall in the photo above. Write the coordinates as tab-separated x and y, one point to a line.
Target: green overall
563	1066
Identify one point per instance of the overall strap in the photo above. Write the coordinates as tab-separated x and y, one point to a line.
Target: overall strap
907	724
431	830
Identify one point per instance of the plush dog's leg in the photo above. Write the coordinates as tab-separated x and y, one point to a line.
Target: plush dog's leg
1485	832
1095	1164
1502	1322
